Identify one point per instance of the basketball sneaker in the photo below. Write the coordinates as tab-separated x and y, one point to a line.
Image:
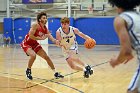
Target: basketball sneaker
28	74
89	69
86	74
58	75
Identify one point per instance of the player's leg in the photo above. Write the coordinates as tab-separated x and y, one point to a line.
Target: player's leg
72	64
44	55
69	55
75	58
87	67
4	40
32	55
30	52
8	40
78	61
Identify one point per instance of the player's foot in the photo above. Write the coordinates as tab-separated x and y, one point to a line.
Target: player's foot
86	74
28	74
58	75
89	69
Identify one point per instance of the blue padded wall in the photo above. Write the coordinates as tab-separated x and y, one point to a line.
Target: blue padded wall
8	27
53	25
101	29
21	28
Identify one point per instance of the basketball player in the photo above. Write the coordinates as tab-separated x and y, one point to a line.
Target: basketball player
6	39
31	47
127	26
66	35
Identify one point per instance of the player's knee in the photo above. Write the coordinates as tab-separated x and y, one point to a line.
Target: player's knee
33	56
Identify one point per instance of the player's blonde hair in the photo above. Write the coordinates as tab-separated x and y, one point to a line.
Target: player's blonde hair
65	20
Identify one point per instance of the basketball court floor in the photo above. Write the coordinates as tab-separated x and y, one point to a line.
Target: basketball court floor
13	63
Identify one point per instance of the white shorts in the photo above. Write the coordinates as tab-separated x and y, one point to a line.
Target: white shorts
135	81
72	51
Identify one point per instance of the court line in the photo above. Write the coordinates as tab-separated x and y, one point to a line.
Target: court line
51	80
21	88
36	84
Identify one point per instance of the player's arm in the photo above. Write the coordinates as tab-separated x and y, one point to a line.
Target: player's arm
32	32
51	37
58	36
126	49
76	31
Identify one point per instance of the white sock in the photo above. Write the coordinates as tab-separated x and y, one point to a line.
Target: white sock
85	65
84	69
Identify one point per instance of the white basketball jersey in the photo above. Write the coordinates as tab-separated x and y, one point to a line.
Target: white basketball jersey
133	25
68	39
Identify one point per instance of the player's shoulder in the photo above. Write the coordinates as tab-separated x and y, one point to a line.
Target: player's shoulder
118	19
72	28
35	25
59	29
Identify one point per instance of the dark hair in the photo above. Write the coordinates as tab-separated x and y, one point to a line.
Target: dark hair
40	15
65	20
125	4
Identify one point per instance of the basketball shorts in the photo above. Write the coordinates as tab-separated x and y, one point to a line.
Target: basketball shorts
135	81
72	51
35	46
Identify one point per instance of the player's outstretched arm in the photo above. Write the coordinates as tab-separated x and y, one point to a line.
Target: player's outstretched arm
53	39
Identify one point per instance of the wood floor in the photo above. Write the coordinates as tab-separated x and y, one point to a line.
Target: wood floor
13	63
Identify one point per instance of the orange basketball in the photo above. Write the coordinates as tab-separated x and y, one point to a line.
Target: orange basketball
90	43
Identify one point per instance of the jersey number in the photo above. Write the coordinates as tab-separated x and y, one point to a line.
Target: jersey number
68	40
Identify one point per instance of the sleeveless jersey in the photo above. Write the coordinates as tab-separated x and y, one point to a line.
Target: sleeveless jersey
133	25
68	39
39	32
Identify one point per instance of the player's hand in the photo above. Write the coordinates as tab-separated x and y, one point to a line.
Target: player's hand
128	59
44	37
57	42
113	62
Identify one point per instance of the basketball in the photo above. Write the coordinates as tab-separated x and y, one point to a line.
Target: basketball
90	43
